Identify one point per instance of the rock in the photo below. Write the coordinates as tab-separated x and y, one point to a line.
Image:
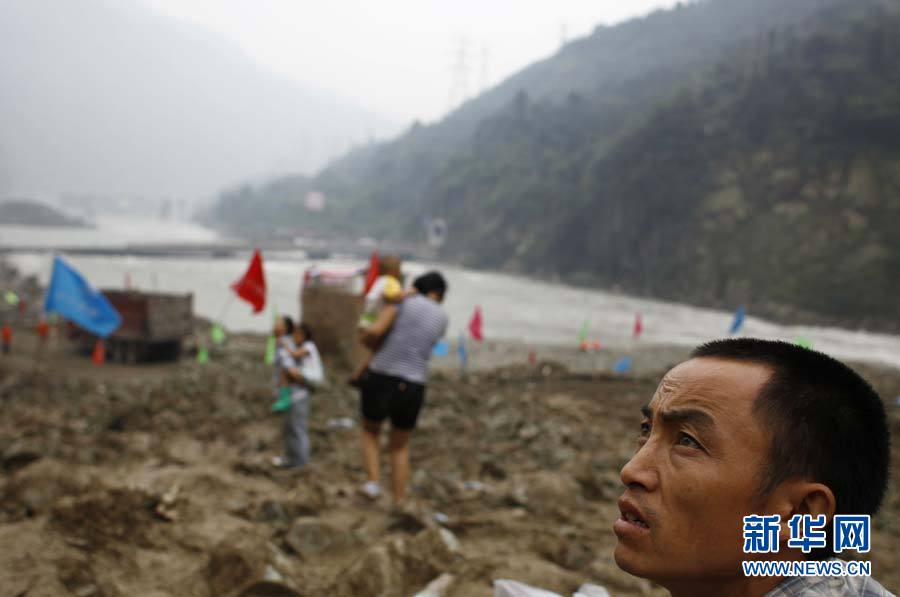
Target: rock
547	492
106	519
565	552
400	566
372	574
591	591
529	432
269	589
310	536
34	490
239	565
491	469
270	511
87	591
538	573
19	455
512	588
599	485
437	587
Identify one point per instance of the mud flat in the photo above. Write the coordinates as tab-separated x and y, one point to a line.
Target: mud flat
154	480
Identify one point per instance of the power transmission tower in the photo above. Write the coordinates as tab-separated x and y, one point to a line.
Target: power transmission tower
459	82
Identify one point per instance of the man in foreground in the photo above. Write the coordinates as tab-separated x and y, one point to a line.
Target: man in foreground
393	387
750	428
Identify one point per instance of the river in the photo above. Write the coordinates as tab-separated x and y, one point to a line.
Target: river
514	308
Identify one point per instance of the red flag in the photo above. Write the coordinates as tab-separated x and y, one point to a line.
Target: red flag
372	275
252	287
99	355
638	326
475	325
43	329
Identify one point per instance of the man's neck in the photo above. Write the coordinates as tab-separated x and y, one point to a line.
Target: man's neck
741	586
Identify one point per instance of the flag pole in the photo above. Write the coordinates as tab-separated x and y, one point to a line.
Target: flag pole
225	307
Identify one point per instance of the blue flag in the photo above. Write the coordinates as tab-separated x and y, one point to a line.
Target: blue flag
441	349
623	365
72	297
738	322
463	353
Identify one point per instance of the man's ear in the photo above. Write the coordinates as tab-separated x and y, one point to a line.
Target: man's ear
801	497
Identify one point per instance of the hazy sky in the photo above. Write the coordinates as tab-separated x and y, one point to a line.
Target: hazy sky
400	57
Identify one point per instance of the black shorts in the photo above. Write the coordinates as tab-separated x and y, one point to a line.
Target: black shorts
382	396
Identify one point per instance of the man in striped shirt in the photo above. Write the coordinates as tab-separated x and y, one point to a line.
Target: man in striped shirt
393	387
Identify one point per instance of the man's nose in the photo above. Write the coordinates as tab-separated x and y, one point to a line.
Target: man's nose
641	471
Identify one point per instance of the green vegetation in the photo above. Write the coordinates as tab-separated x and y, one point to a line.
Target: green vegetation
723	152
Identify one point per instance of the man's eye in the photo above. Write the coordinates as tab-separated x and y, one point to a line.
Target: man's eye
689	442
645	429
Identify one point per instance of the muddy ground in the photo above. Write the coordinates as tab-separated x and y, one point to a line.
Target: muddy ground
155	481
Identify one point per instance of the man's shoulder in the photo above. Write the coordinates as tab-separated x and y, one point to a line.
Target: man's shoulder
830	586
423	304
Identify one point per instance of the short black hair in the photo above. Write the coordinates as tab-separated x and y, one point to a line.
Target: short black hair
827	422
307	332
431	282
288	324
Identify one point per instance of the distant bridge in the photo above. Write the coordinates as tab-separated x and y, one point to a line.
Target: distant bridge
315	249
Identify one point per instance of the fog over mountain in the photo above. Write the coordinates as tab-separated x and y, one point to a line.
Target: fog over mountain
111	98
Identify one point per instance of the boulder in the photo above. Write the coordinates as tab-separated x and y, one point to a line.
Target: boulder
242	565
401	565
310	536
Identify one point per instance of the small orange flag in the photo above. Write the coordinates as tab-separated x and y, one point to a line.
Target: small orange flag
99	356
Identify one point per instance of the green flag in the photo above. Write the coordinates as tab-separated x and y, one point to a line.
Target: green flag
12	298
583	332
202	355
804	343
217	333
270	350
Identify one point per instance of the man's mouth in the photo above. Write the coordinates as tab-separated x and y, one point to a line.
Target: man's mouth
633	519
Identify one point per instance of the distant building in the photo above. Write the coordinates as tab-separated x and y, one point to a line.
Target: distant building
315	201
436	229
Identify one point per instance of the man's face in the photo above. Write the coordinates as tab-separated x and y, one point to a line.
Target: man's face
695	473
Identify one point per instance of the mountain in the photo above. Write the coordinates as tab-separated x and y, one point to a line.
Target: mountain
724	152
774	184
108	97
31	213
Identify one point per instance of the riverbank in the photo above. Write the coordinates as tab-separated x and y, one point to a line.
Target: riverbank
155	479
129	480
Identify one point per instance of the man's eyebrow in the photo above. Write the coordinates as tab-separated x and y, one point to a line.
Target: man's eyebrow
693	416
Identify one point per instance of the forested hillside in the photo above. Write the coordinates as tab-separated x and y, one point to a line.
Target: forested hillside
720	153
